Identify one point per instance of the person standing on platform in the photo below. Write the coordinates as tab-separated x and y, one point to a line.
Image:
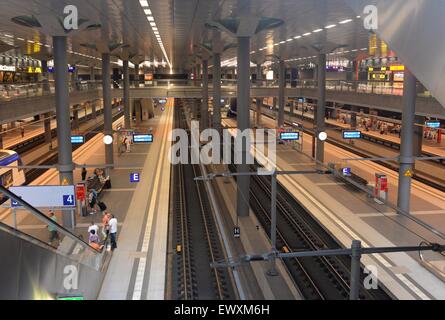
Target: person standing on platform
105	227
22	131
53	234
113	231
84	173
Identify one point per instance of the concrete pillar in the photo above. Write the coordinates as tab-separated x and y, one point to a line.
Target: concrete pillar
127	107
136	75
76	116
418	135
198	71
138	111
204	121
217	92
66	166
108	118
321	105
281	87
259	101
243	120
354	118
47	127
406	144
92	74
93	109
195	108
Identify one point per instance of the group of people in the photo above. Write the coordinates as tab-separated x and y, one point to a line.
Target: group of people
109	231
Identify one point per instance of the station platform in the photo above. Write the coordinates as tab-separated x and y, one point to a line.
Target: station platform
14	137
429	170
429	147
137	268
349	215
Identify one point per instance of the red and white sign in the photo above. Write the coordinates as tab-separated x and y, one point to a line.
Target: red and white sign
381	186
80	192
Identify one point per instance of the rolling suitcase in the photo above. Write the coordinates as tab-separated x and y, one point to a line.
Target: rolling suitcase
102	206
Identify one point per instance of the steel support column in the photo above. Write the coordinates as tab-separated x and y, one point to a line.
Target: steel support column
65	155
127	107
406	142
321	105
281	87
76	116
108	119
259	101
47	127
243	119
217	92
204	123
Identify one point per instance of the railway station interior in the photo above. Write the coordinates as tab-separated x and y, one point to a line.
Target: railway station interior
222	150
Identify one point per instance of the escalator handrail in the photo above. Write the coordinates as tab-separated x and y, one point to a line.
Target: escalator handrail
46	219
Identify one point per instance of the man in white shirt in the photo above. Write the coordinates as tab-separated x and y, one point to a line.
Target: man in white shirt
113	230
94	227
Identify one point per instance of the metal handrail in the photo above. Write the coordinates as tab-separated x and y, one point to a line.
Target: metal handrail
46	219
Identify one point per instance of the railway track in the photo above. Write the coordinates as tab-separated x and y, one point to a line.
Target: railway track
317	278
196	239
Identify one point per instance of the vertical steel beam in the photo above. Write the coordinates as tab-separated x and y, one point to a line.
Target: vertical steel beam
259	101
64	146
355	269
108	119
243	120
127	107
406	143
217	92
204	123
321	105
281	87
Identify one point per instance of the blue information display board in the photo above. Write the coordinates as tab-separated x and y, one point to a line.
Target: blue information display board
142	138
432	124
77	139
352	135
290	136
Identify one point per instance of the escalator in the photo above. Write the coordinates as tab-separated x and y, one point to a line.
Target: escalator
33	269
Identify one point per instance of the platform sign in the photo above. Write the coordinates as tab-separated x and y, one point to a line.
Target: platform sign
77	139
135	177
408	173
346	172
80	191
352	134
236	232
290	136
46	196
142	138
433	124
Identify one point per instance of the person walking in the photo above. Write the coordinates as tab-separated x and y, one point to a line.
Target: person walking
84	173
113	231
53	234
93	237
105	227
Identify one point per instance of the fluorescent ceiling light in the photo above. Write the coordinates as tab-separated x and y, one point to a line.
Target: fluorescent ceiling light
288	40
345	21
147	12
276	44
153	24
306	34
155	28
144	3
358	17
297	37
330	26
150	18
281	42
318	30
9	36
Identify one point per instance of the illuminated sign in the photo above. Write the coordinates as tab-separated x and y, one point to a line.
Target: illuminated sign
432	124
352	135
397	68
346	172
148	77
135	177
289	136
71	69
7	68
77	139
142	138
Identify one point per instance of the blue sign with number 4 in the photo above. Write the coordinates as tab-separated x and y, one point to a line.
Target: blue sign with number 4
68	200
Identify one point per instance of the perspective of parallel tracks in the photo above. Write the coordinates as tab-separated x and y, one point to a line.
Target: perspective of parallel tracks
325	278
195	237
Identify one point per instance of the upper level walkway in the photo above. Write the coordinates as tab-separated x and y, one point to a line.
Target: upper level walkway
376	95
